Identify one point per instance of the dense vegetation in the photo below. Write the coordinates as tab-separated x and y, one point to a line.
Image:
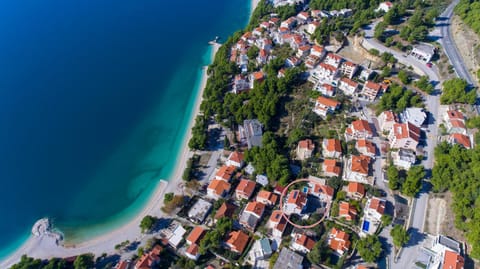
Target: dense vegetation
84	261
458	170
469	11
399	235
369	248
147	223
456	91
397	99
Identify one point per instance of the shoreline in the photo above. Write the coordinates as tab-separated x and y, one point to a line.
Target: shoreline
45	246
253	6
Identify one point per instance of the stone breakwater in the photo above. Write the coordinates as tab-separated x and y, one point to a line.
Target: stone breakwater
43	227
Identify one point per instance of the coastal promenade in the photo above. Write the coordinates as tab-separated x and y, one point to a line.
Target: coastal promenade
45	245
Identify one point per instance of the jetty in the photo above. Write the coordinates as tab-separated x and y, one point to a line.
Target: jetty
214	41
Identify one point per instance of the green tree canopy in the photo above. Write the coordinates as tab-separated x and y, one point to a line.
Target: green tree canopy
369	248
84	261
147	223
413	182
455	91
399	235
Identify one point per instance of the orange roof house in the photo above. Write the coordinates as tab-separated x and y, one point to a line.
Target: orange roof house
255	208
296	202
460	139
196	235
225	173
358	129
303	243
365	147
404	135
357	169
237	241
375	208
323	192
339	241
332	148
267	198
453	260
245	189
226	210
347	211
277	223
360	164
356	190
235	159
218	189
193	252
150	259
331	168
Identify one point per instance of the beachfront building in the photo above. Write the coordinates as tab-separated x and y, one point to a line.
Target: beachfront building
305	149
331	148
251	133
199	211
149	259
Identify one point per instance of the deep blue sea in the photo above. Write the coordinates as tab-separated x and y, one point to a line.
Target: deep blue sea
95	96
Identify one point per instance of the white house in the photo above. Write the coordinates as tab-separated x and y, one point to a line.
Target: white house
358	129
323	72
333	59
370	90
415	115
357	169
348	69
277	223
384	6
324	106
403	158
423	52
331	148
325	89
455	122
235	159
302	243
386	120
405	136
296	203
348	86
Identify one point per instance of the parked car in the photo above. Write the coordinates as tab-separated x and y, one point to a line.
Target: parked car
429	65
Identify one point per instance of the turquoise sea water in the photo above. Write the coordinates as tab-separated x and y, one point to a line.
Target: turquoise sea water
95	97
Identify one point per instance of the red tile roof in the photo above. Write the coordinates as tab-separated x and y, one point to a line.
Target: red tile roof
196	235
219	187
377	205
305	241
363	143
406	130
306	144
360	164
225	172
362	126
340	240
298	198
333	145
236	157
264	196
355	187
346	210
193	250
225	210
245	187
452	260
328	67
327	102
237	240
372	85
256	208
349	82
330	166
461	139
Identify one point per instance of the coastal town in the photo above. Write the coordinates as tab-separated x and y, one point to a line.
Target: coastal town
319	146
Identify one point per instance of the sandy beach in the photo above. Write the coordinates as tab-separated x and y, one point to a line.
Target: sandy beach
253	6
45	246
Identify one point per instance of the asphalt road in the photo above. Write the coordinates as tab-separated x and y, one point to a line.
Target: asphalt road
446	40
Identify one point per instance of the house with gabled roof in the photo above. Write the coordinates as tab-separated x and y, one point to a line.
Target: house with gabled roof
331	148
403	158
218	189
323	72
321	191
240	84
277	223
355	190
318	51
324	106
226	210
193	252
452	260
372	217
237	241
303	51
302	243
303	16
357	169
296	203
339	241
149	259
331	168
311	27
347	86
366	148
245	189
267	198
196	235
460	139
347	211
455	122
405	136
252	215
358	129
289	23
235	159
255	77
305	149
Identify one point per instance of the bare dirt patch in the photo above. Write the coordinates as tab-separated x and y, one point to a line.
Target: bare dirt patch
435	215
467	42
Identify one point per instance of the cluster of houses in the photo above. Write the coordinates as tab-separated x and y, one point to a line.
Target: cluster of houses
454	123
